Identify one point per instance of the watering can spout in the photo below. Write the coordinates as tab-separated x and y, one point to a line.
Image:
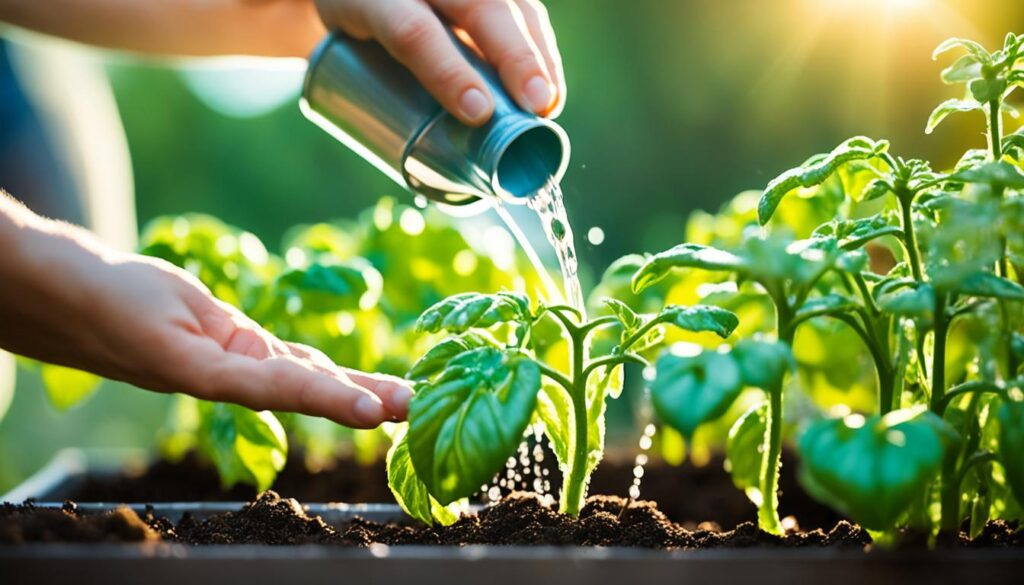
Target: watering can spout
359	94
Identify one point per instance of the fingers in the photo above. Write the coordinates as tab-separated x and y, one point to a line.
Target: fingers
394	392
535	14
414	35
499	29
290	384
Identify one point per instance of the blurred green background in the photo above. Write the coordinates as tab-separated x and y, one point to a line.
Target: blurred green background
673	105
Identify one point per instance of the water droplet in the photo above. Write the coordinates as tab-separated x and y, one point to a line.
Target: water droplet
645	442
595	236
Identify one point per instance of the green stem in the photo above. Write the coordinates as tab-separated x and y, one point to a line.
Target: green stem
994	131
575	482
906	198
555	375
613	360
768	512
938	402
976	386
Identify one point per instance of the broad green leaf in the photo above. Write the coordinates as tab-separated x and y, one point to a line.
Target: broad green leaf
744	451
987	90
762	364
964	69
465	424
409	490
987	284
437	357
1011	446
322	288
874	468
946	108
67	387
660	265
246	446
690	390
701	318
465	311
815	172
996	174
830	304
973	48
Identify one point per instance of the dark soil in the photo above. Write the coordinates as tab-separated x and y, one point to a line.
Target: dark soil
520	519
26	523
686	494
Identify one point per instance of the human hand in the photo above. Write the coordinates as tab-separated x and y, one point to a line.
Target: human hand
67	300
515	36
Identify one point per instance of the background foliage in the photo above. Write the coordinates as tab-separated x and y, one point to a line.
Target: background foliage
674	104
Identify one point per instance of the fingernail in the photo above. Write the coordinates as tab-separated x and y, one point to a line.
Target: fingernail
400	399
368	410
538	94
474	104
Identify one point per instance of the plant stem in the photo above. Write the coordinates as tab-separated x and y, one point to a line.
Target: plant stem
994	131
575	483
768	512
938	403
905	198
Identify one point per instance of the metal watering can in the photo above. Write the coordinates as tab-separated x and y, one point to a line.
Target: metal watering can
358	93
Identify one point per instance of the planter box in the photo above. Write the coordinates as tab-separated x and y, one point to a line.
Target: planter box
175	564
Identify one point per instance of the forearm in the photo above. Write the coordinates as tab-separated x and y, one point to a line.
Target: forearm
45	290
275	28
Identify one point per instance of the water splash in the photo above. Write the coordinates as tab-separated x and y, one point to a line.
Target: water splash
549	206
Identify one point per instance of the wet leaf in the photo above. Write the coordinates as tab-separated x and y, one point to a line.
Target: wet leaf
437	357
464	424
701	318
948	107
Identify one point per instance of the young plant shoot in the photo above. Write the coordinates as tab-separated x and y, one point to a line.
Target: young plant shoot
476	395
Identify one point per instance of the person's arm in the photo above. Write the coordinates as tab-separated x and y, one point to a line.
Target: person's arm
513	35
67	299
271	28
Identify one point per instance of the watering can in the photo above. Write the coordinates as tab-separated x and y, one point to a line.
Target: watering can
357	92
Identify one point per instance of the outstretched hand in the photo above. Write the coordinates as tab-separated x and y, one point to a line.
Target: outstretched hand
67	300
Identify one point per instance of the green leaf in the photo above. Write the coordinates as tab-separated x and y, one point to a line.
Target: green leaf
874	189
830	304
1011	446
964	69
973	48
913	302
321	288
946	108
627	316
989	285
997	174
688	391
437	357
815	172
660	265
465	424
246	446
744	451
409	490
853	234
554	408
987	90
67	387
874	468
461	312
700	318
763	364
